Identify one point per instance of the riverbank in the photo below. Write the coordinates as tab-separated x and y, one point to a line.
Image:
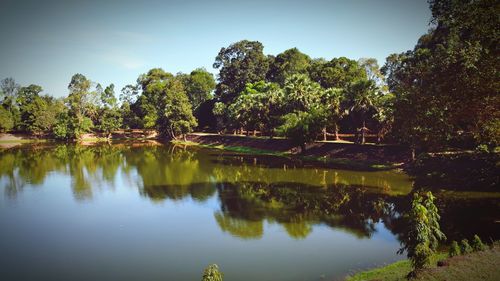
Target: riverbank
341	155
484	265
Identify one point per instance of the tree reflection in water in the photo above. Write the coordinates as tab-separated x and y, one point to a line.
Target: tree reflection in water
250	190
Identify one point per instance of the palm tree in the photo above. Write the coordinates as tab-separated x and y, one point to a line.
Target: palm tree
331	99
361	96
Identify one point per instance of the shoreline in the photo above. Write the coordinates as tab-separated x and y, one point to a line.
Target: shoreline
483	265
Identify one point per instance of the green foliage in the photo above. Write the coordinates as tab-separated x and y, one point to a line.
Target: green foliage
110	118
37	113
61	129
424	232
361	96
302	127
454	249
301	94
465	248
337	73
176	116
477	245
199	85
6	120
241	63
212	273
82	104
219	111
257	107
448	83
286	64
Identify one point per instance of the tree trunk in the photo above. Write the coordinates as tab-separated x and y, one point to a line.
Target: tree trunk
303	148
324	134
254	132
336	132
363	133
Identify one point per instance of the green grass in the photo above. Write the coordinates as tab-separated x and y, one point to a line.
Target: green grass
23	140
392	272
484	265
333	162
238	149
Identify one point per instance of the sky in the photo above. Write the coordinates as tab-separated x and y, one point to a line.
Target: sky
46	42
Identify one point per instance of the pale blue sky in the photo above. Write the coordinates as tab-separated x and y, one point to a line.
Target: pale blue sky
46	42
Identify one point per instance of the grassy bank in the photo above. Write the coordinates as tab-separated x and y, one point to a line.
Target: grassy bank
483	265
320	160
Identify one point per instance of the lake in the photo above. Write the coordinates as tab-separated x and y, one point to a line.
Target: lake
147	211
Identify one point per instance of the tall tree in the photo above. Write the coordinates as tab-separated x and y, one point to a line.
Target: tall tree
257	107
82	107
109	119
241	63
176	115
337	73
150	101
331	100
290	62
360	98
8	92
449	82
199	85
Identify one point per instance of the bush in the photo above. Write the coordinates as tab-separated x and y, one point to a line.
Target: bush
465	248
477	244
212	273
454	249
424	232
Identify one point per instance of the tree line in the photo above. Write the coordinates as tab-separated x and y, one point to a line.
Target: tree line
442	93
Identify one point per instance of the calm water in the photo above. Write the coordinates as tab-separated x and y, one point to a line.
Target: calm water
156	212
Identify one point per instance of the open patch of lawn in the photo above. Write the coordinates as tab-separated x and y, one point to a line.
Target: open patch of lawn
483	265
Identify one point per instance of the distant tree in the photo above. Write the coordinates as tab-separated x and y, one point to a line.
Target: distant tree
332	100
337	73
25	100
82	105
288	63
9	88
150	102
257	107
219	111
373	71
199	85
8	92
384	114
130	108
241	63
302	127
175	113
360	97
110	118
6	120
300	93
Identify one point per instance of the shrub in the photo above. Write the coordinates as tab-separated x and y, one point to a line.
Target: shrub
465	248
454	249
477	244
212	273
424	232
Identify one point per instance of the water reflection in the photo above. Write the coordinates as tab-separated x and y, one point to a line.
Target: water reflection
250	191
